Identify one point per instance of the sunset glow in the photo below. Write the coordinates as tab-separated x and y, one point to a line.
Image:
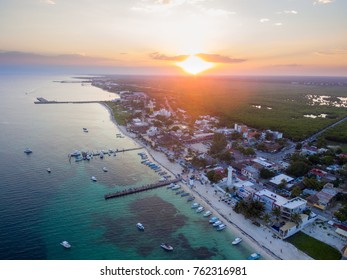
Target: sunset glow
194	65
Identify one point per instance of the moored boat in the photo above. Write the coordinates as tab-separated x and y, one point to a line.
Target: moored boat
218	223
221	227
207	213
140	226
213	220
166	247
195	205
28	151
65	244
236	241
200	209
49	170
254	256
104	169
93	178
191	198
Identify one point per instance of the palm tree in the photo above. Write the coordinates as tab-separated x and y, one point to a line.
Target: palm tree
296	218
276	212
266	218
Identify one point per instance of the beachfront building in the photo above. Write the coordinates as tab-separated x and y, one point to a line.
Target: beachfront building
250	172
324	198
279	179
288	209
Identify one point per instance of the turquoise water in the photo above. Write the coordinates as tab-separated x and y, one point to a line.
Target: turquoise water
39	209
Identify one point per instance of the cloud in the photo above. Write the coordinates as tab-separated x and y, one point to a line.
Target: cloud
217	12
278	24
322	2
262	20
49	2
341	51
150	6
291	65
219	58
288	12
216	58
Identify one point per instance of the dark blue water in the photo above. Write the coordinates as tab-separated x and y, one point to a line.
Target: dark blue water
38	210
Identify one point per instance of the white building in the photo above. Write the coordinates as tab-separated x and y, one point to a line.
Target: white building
281	178
163	112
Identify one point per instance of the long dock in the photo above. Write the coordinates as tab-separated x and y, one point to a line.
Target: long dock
128	150
140	189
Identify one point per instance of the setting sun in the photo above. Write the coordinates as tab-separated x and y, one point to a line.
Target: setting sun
194	65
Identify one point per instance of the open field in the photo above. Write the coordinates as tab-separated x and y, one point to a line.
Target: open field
337	134
271	103
313	247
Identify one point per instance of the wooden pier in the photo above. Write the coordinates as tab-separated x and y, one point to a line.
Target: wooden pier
140	189
127	150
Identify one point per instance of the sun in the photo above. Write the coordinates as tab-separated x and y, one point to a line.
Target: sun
194	65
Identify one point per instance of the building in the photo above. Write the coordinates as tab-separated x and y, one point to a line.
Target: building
281	178
324	198
262	162
250	172
245	192
270	199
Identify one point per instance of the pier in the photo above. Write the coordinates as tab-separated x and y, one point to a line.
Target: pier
42	100
140	189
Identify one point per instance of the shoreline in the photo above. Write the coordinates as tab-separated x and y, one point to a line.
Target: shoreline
258	238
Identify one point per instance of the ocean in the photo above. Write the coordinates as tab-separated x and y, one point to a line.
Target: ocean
38	209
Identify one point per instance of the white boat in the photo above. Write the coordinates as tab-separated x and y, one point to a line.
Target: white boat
101	155
221	227
49	170
195	205
236	241
75	153
218	223
85	129
28	151
254	256
176	187
65	244
207	213
104	169
200	209
166	246
93	178
140	226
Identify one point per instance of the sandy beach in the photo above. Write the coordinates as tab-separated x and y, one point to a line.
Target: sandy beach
259	238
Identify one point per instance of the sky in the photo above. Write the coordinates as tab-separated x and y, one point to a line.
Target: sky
241	37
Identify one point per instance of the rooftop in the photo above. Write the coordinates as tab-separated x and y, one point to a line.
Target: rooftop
279	200
278	179
294	203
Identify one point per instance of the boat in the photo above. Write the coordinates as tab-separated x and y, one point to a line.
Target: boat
101	155
254	256
195	205
140	226
78	158
218	223
166	247
207	214
28	151
236	241
65	244
49	170
184	194
76	153
190	198
93	178
104	169
179	192
221	227
176	187
85	129
200	209
213	220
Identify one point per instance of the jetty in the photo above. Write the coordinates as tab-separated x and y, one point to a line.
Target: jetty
140	189
41	100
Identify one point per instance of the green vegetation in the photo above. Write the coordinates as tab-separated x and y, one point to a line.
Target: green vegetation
119	114
214	176
337	134
266	173
252	209
313	247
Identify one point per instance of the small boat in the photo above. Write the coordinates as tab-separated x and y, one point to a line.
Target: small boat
236	241
254	256
28	151
162	179
166	247
179	192
49	170
93	178
200	209
176	187
101	155
184	194
79	158
213	220
140	226
191	198
85	129
195	205
65	244
221	227
218	223
76	153
104	169
207	213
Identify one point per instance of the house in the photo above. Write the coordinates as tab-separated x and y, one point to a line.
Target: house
250	172
324	198
308	150
245	192
277	180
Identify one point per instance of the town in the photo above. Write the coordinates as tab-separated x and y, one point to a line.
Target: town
284	185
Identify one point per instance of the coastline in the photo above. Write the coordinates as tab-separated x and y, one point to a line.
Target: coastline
258	238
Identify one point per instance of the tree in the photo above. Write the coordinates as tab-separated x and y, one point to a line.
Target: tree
219	143
296	218
298	168
266	218
312	183
296	192
269	136
213	176
298	146
282	185
266	173
276	212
